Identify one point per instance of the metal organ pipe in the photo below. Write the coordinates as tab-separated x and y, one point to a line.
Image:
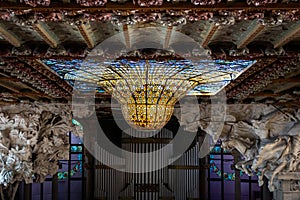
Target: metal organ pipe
178	181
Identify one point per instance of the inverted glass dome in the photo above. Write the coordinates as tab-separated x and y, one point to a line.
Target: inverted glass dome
148	89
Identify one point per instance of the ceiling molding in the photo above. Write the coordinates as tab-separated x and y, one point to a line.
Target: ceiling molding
209	34
263	78
85	30
16	92
286	36
48	36
289	80
129	5
253	30
9	36
14	79
255	68
168	37
126	36
38	81
43	69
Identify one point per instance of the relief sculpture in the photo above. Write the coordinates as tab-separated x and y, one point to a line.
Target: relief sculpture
34	137
267	138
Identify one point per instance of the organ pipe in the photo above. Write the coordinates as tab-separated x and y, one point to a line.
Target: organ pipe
179	180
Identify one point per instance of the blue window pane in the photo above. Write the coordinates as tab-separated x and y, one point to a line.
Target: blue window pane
215	190
76	190
47	190
63	189
229	189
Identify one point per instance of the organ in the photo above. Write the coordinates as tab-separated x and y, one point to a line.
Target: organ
177	180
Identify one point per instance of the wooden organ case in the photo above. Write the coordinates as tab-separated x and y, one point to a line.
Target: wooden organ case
178	180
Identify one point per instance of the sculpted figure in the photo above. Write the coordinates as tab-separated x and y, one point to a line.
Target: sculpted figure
267	137
272	153
242	138
32	129
276	148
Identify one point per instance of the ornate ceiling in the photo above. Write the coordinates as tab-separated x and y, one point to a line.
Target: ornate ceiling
37	30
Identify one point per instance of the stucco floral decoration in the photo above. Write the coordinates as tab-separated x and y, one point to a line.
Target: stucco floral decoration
33	138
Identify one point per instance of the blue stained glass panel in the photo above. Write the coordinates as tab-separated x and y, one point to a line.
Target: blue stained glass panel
211	75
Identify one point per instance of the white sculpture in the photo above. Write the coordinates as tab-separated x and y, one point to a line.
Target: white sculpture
268	138
32	129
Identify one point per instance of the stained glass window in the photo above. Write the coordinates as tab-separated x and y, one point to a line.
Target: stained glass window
70	175
222	177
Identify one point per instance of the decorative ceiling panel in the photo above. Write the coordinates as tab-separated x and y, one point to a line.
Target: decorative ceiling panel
271	32
22	31
231	33
210	75
66	32
103	30
195	30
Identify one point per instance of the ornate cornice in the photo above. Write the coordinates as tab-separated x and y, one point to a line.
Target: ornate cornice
262	78
259	65
80	52
73	12
40	67
38	78
150	5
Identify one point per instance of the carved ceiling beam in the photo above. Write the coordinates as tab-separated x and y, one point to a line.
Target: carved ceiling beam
287	35
168	37
129	5
7	86
208	35
294	104
253	30
256	67
284	87
9	36
42	68
294	74
31	78
126	37
9	79
258	81
264	94
87	34
16	91
31	95
49	36
287	80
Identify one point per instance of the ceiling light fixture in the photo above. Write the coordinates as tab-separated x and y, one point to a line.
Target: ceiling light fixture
148	88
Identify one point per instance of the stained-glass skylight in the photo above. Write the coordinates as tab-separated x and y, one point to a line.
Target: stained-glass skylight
148	89
211	75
